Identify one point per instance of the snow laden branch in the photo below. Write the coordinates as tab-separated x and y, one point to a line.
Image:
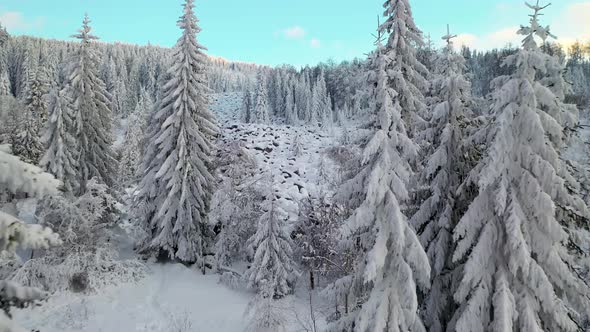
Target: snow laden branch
17	176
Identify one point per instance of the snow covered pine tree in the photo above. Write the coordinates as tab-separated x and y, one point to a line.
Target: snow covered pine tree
408	75
174	194
93	116
61	151
272	272
444	171
516	272
392	263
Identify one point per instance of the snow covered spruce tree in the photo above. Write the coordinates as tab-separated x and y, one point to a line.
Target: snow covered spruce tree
321	105
272	272
408	75
3	35
247	106
273	264
35	100
291	117
26	142
392	262
260	112
61	150
25	139
175	192
445	170
18	176
132	150
516	273
5	87
93	115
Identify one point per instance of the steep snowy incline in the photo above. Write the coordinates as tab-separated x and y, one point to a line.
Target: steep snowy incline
299	159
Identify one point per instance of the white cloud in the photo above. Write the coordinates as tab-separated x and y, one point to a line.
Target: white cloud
16	21
501	38
465	39
295	32
496	39
573	24
315	43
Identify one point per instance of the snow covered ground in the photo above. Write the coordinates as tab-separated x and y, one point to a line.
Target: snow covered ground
173	297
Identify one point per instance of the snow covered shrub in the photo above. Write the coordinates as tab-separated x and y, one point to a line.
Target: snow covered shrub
232	280
179	322
314	240
87	261
263	313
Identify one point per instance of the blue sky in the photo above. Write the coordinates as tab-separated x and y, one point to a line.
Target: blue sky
273	32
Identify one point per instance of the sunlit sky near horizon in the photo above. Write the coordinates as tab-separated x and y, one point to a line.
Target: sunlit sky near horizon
286	31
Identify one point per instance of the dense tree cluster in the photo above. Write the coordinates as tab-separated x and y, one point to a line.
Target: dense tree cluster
455	208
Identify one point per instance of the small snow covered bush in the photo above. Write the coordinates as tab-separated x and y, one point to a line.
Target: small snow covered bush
179	322
87	260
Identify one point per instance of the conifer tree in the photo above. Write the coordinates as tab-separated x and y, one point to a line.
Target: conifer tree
133	147
261	110
92	111
290	111
516	274
273	267
408	75
35	101
392	263
321	105
247	106
445	169
26	142
5	88
177	184
61	152
27	74
3	36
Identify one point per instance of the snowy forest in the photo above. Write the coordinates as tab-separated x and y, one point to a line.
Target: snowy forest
419	188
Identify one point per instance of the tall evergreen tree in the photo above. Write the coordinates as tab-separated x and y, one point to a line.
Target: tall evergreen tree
177	183
27	73
516	273
3	36
392	262
61	152
35	101
321	104
273	264
92	109
261	110
408	75
5	88
290	110
133	147
445	169
26	142
247	106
